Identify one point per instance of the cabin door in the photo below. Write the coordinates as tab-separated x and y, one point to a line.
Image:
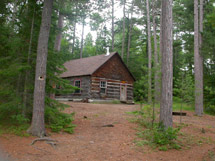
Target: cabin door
123	93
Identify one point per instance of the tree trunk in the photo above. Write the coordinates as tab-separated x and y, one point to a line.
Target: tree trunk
198	63
156	61
82	38
130	33
167	65
159	59
112	25
38	124
58	39
73	39
149	55
123	31
27	74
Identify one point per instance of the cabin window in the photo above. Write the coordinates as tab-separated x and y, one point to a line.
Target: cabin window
103	86
77	83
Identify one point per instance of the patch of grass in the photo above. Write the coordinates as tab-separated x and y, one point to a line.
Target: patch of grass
19	130
157	137
210	156
59	121
16	124
152	133
107	102
95	115
187	107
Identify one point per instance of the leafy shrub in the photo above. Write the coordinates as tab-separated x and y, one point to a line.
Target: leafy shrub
210	109
164	137
19	119
17	125
155	134
209	102
56	119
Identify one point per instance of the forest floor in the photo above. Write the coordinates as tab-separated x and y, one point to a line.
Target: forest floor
93	142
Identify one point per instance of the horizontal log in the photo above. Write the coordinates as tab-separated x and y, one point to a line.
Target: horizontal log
179	113
95	91
96	79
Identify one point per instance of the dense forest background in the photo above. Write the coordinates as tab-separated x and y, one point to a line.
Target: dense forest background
129	35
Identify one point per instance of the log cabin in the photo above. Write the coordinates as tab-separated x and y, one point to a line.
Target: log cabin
100	78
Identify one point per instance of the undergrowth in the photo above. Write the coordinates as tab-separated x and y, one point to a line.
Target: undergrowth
17	125
154	134
55	119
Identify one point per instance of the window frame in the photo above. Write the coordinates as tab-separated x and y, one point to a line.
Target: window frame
103	87
75	80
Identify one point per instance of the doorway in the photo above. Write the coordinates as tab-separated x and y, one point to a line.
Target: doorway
123	93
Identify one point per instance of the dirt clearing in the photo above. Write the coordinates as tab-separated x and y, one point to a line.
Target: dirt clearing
95	139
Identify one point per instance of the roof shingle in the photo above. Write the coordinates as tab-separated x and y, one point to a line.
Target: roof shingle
85	66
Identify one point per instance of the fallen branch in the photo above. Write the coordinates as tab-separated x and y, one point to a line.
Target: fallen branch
43	139
108	125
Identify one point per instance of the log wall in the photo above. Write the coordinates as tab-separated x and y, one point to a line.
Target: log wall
85	88
114	69
112	90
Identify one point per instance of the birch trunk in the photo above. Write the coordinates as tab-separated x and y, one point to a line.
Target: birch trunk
167	65
149	55
123	31
198	63
38	124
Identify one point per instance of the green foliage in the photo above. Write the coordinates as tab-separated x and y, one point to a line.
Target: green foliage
210	101
160	138
17	125
153	133
184	88
178	103
209	95
165	136
140	89
17	60
56	119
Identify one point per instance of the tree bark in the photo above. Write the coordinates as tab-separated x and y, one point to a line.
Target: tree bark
112	25
38	124
26	90
74	32
58	39
167	65
149	55
123	31
130	33
198	62
156	61
82	38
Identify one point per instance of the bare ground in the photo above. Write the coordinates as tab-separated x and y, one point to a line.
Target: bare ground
92	142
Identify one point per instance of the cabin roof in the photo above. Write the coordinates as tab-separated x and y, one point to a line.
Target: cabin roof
87	66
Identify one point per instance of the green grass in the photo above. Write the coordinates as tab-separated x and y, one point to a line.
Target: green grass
176	105
107	102
185	107
19	130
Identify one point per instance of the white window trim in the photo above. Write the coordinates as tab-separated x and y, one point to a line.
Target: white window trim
101	84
